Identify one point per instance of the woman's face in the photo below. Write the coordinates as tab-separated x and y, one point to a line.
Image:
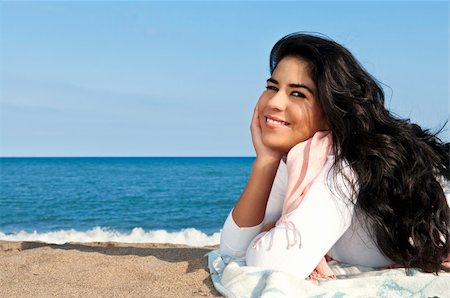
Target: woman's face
289	112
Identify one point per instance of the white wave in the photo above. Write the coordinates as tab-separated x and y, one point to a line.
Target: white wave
190	236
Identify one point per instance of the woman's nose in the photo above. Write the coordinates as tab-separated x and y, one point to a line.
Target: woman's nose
278	101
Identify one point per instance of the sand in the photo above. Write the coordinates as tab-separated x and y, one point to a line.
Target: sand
34	269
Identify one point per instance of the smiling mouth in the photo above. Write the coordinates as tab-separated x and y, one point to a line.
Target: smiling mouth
271	121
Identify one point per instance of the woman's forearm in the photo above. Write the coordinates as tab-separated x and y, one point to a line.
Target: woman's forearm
250	209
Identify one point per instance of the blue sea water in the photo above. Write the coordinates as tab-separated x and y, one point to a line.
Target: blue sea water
167	199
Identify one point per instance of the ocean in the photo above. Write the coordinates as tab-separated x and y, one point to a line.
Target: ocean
182	200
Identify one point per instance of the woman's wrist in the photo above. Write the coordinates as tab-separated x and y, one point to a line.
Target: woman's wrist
267	161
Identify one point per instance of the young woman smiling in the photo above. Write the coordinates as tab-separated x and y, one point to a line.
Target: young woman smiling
335	173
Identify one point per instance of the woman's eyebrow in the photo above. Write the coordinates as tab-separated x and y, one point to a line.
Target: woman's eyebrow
272	80
301	86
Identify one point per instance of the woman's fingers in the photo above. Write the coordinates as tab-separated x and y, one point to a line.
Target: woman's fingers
255	128
255	118
262	151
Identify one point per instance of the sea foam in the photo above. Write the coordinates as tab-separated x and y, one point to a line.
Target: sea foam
189	236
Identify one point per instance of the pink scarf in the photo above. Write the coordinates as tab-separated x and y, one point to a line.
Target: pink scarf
304	162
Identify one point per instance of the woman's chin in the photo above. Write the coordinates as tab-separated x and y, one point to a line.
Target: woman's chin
276	145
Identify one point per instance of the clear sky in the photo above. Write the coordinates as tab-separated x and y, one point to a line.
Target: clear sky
181	78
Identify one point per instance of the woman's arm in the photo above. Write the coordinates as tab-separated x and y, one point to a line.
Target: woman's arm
250	209
246	219
251	206
234	239
322	218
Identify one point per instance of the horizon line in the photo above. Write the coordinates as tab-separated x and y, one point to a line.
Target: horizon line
135	156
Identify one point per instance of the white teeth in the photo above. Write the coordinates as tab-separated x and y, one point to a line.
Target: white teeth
271	121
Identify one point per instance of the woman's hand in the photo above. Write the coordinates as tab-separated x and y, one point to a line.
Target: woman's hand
263	152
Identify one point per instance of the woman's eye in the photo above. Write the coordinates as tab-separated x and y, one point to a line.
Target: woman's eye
298	94
273	88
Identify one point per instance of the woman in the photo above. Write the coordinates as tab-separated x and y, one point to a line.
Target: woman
335	173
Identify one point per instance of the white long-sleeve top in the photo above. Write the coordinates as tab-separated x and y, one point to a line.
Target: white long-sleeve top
325	221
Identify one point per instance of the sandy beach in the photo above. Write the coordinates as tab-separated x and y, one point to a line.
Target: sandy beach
35	269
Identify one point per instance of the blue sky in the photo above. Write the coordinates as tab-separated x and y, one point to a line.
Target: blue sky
181	78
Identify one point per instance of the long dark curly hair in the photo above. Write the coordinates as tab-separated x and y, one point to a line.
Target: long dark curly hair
397	164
